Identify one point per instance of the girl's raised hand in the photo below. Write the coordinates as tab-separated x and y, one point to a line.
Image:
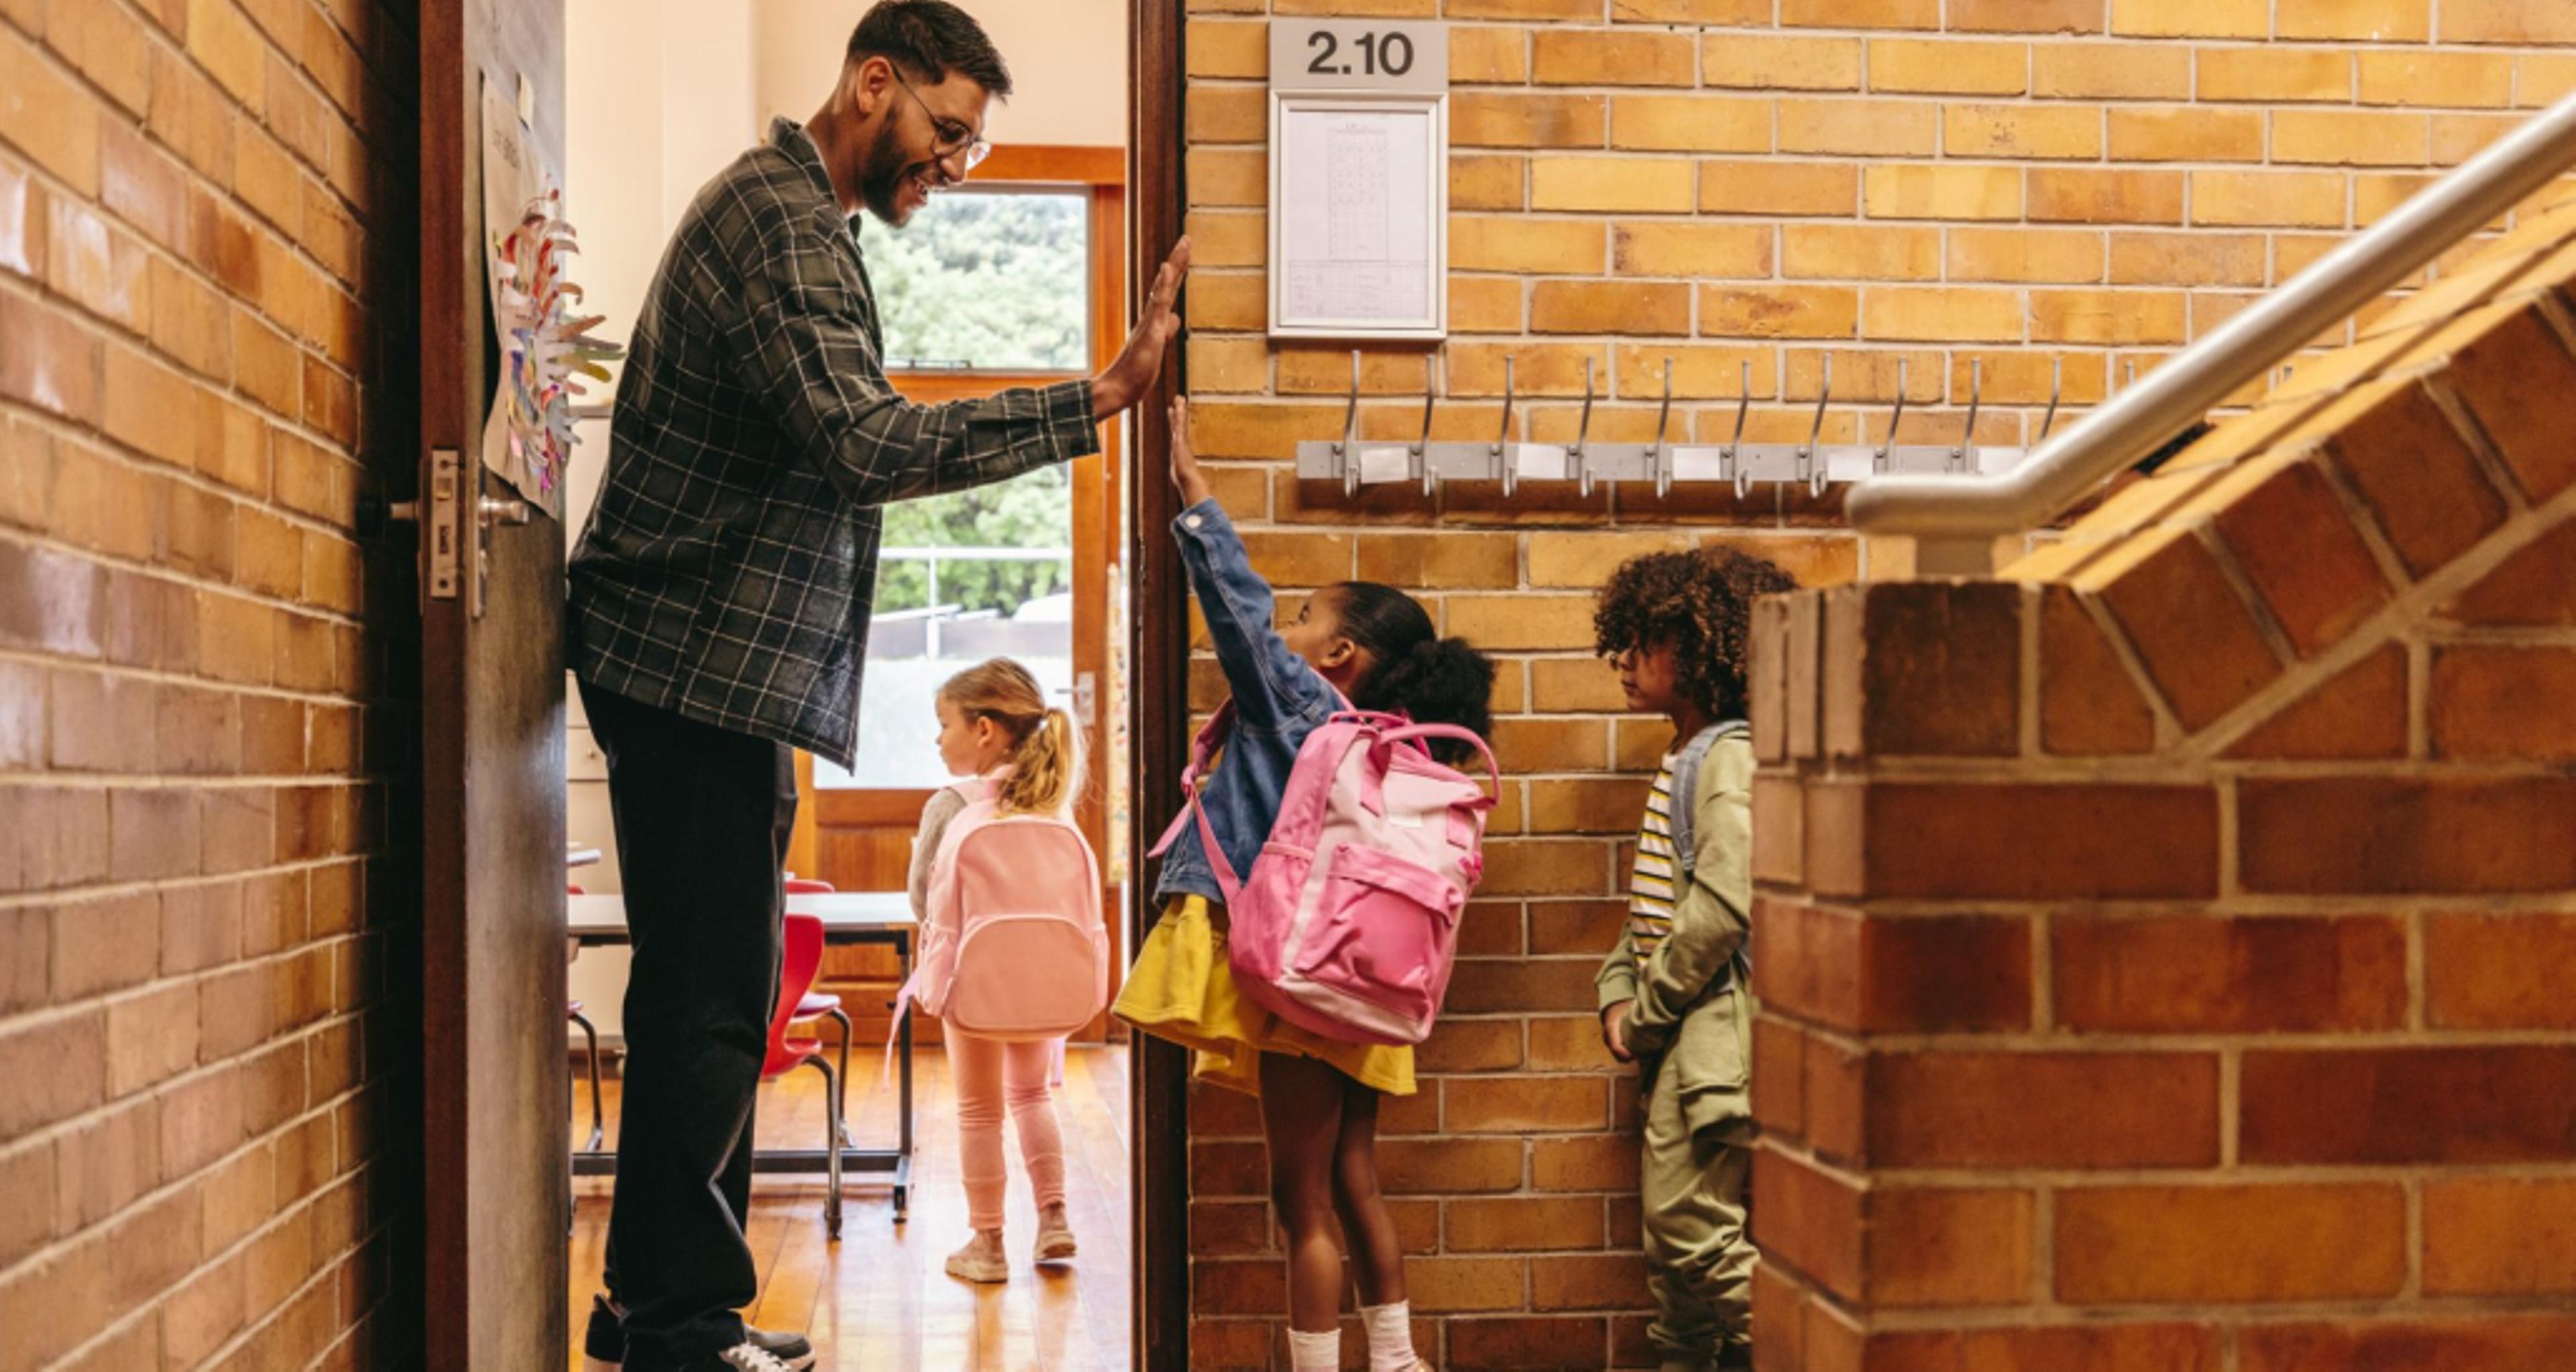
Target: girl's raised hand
1186	477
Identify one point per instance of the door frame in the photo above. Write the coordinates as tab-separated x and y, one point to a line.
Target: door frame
1159	699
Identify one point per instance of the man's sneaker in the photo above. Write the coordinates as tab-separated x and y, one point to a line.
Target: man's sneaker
746	1357
793	1352
603	1342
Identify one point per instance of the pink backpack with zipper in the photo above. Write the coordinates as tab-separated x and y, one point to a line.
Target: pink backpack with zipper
1012	945
1348	922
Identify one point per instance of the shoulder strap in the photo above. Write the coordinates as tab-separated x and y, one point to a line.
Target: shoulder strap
1685	797
1193	781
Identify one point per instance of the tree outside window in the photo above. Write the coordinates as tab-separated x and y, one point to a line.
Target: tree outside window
979	282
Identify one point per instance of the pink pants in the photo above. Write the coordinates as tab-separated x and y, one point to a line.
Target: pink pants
990	1073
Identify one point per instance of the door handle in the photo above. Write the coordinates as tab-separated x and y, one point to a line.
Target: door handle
444	553
491	512
374	513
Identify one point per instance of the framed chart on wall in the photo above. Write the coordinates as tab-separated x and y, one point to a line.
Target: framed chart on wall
1359	180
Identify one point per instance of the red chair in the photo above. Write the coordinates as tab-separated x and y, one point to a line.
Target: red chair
823	1004
803	960
589	1031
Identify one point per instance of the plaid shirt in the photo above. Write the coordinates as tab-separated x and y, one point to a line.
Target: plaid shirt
729	565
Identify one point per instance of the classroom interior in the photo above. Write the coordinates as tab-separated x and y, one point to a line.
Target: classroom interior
1016	278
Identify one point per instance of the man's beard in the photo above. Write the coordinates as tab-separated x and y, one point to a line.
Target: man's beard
881	181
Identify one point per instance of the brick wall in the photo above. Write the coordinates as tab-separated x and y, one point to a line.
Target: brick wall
207	1070
1769	181
2153	941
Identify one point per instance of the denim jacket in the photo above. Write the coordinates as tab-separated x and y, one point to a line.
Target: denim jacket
1278	701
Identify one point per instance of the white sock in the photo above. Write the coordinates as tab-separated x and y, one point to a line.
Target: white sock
1390	1336
1315	1352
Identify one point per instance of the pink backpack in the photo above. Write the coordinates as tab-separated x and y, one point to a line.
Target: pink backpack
1348	923
1012	946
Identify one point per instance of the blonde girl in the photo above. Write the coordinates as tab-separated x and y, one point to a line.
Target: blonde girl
995	724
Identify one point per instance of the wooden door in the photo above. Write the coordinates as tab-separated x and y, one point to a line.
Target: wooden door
492	722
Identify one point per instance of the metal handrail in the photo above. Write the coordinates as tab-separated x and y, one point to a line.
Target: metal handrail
1956	521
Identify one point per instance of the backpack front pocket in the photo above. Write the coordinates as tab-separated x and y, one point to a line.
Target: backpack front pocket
1383	933
1028	976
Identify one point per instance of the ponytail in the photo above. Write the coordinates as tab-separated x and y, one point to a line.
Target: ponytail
1046	749
1046	767
1414	671
1440	681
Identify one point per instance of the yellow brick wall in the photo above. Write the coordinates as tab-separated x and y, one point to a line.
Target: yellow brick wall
207	1108
1944	182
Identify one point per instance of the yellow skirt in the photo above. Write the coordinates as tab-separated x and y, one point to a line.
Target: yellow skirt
1182	989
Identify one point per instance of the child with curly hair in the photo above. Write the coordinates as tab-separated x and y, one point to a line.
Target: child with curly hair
1675	995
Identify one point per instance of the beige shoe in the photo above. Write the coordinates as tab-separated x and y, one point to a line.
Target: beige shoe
1055	1237
981	1260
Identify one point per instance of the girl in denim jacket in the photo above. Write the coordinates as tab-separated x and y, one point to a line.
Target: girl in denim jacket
1376	648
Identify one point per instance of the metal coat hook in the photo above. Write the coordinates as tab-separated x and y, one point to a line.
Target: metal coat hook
1503	439
1657	454
1878	459
1963	457
1350	434
1734	451
1582	436
1421	449
2056	373
1809	468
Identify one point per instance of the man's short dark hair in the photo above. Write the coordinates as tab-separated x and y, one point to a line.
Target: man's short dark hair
929	39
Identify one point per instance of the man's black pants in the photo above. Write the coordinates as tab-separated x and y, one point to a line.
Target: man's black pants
703	817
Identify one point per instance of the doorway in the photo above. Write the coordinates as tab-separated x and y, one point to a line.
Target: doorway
1018	278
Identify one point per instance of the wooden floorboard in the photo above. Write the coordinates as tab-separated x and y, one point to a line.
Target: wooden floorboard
878	1300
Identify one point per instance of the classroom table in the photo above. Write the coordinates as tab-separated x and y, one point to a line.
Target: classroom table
849	917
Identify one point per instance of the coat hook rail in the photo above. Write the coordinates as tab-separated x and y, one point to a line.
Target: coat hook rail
1668	460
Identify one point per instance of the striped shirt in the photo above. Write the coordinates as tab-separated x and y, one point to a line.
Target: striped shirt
1650	882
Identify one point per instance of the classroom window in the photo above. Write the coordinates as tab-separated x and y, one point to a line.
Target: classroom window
990	286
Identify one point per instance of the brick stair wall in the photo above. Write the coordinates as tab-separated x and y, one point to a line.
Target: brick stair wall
208	1037
2163	946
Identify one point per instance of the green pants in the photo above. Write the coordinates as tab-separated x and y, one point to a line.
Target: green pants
1699	1257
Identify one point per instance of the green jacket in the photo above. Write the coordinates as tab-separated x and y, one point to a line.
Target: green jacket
1694	1012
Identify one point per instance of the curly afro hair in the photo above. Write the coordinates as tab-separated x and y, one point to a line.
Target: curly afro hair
1700	602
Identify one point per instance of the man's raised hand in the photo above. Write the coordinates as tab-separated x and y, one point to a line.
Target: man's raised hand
1140	363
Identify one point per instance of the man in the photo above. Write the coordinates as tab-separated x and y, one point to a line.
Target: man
719	613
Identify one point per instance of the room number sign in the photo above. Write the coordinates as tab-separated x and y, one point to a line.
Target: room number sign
1383	55
1359	179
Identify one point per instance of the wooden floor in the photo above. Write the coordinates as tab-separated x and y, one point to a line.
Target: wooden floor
878	1300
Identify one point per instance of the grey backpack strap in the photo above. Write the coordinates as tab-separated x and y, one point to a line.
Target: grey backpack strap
1685	798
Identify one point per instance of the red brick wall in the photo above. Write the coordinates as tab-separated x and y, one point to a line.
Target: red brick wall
2153	944
206	1080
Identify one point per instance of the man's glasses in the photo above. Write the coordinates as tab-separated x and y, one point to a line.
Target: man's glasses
954	138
